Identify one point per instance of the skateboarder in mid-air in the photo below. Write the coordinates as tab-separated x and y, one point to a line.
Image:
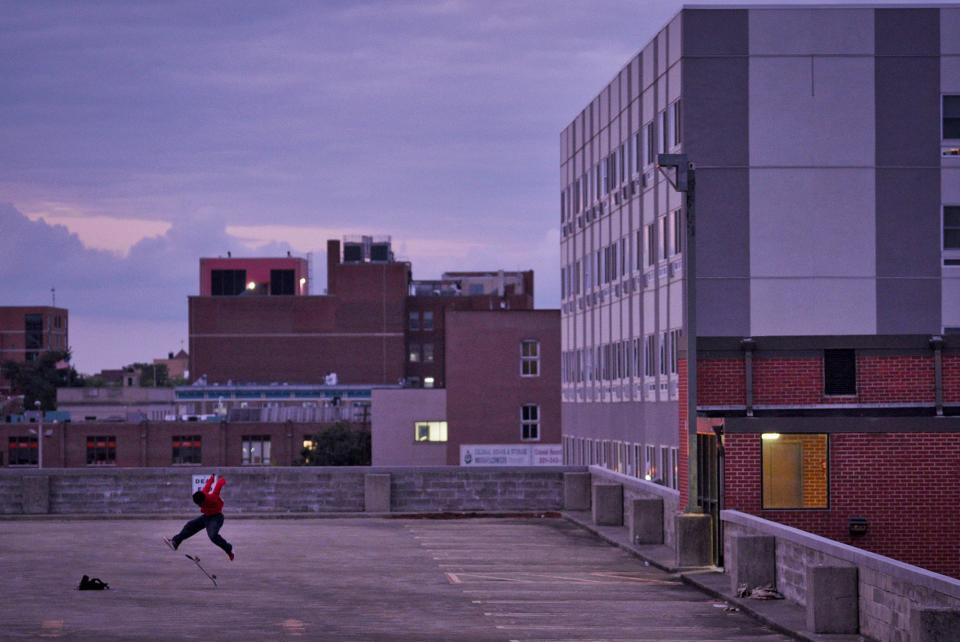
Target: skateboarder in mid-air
212	518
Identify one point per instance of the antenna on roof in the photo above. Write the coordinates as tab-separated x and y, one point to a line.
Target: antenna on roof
53	293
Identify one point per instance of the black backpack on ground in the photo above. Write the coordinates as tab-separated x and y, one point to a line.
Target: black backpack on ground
94	584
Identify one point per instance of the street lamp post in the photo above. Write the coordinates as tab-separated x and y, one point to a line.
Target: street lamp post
683	179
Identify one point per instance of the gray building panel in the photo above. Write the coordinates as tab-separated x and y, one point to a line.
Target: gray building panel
715	32
908	111
800	32
907	32
715	111
907	306
723	307
652	423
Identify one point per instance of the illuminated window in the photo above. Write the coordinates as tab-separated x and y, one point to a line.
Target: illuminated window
530	358
428	382
414	353
650	463
794	471
430	431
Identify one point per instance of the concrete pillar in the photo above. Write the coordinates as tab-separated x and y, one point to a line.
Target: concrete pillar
833	599
753	561
36	494
929	624
607	503
576	491
646	521
376	493
694	539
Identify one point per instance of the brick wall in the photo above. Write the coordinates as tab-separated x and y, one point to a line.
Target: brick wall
721	382
907	486
951	378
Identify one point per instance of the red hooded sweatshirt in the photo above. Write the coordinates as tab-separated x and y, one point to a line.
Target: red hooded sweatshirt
212	504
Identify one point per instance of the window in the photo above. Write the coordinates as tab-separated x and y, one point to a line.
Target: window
674	469
649	359
22	451
101	450
227	282
664	237
951	230
675	122
665	466
33	335
663	140
413	382
794	471
428	353
428	320
677	232
674	350
530	422
428	382
414	353
664	351
839	372
256	450
951	117
186	449
413	322
650	144
637	152
425	431
650	233
529	358
639	256
282	282
650	463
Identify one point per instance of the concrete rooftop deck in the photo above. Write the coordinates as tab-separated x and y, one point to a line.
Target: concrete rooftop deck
347	579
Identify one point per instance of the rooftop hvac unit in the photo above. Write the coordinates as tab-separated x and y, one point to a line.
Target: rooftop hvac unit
352	253
380	252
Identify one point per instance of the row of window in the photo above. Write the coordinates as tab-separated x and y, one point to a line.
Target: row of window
529	356
234	282
436	431
631	157
651	462
656	241
623	359
102	450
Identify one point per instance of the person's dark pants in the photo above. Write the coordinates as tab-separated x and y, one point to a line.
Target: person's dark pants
213	524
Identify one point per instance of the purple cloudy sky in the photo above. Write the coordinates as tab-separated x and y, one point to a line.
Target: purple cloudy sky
137	137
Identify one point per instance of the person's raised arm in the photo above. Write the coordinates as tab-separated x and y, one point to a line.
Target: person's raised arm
206	487
220	484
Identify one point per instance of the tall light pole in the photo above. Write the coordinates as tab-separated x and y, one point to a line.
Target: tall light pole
40	434
683	179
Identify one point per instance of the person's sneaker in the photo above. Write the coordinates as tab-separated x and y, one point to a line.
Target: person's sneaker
170	543
230	555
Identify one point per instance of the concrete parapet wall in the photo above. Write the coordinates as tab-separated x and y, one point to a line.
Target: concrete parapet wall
889	591
634	488
307	489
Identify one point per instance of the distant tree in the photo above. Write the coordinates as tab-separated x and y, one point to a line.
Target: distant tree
339	445
39	379
151	375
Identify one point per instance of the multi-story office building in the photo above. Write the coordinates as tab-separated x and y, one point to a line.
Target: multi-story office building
826	147
27	331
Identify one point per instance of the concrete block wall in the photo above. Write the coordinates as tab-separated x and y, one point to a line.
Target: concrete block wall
634	488
306	489
890	592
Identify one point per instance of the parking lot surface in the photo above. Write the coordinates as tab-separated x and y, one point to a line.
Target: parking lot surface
346	579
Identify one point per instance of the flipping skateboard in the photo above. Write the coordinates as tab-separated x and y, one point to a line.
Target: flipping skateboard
195	560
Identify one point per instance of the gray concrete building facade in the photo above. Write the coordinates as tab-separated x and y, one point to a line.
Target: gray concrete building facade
828	203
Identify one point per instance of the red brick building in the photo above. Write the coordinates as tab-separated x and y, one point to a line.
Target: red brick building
852	438
356	330
27	331
163	443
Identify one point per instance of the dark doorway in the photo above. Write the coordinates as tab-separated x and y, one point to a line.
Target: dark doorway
709	487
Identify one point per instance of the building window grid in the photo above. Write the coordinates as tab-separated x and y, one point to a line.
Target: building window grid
951	230
101	450
799	480
530	422
256	450
529	358
951	117
22	451
186	449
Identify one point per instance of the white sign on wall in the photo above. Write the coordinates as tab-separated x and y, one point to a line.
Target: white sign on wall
199	481
511	455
